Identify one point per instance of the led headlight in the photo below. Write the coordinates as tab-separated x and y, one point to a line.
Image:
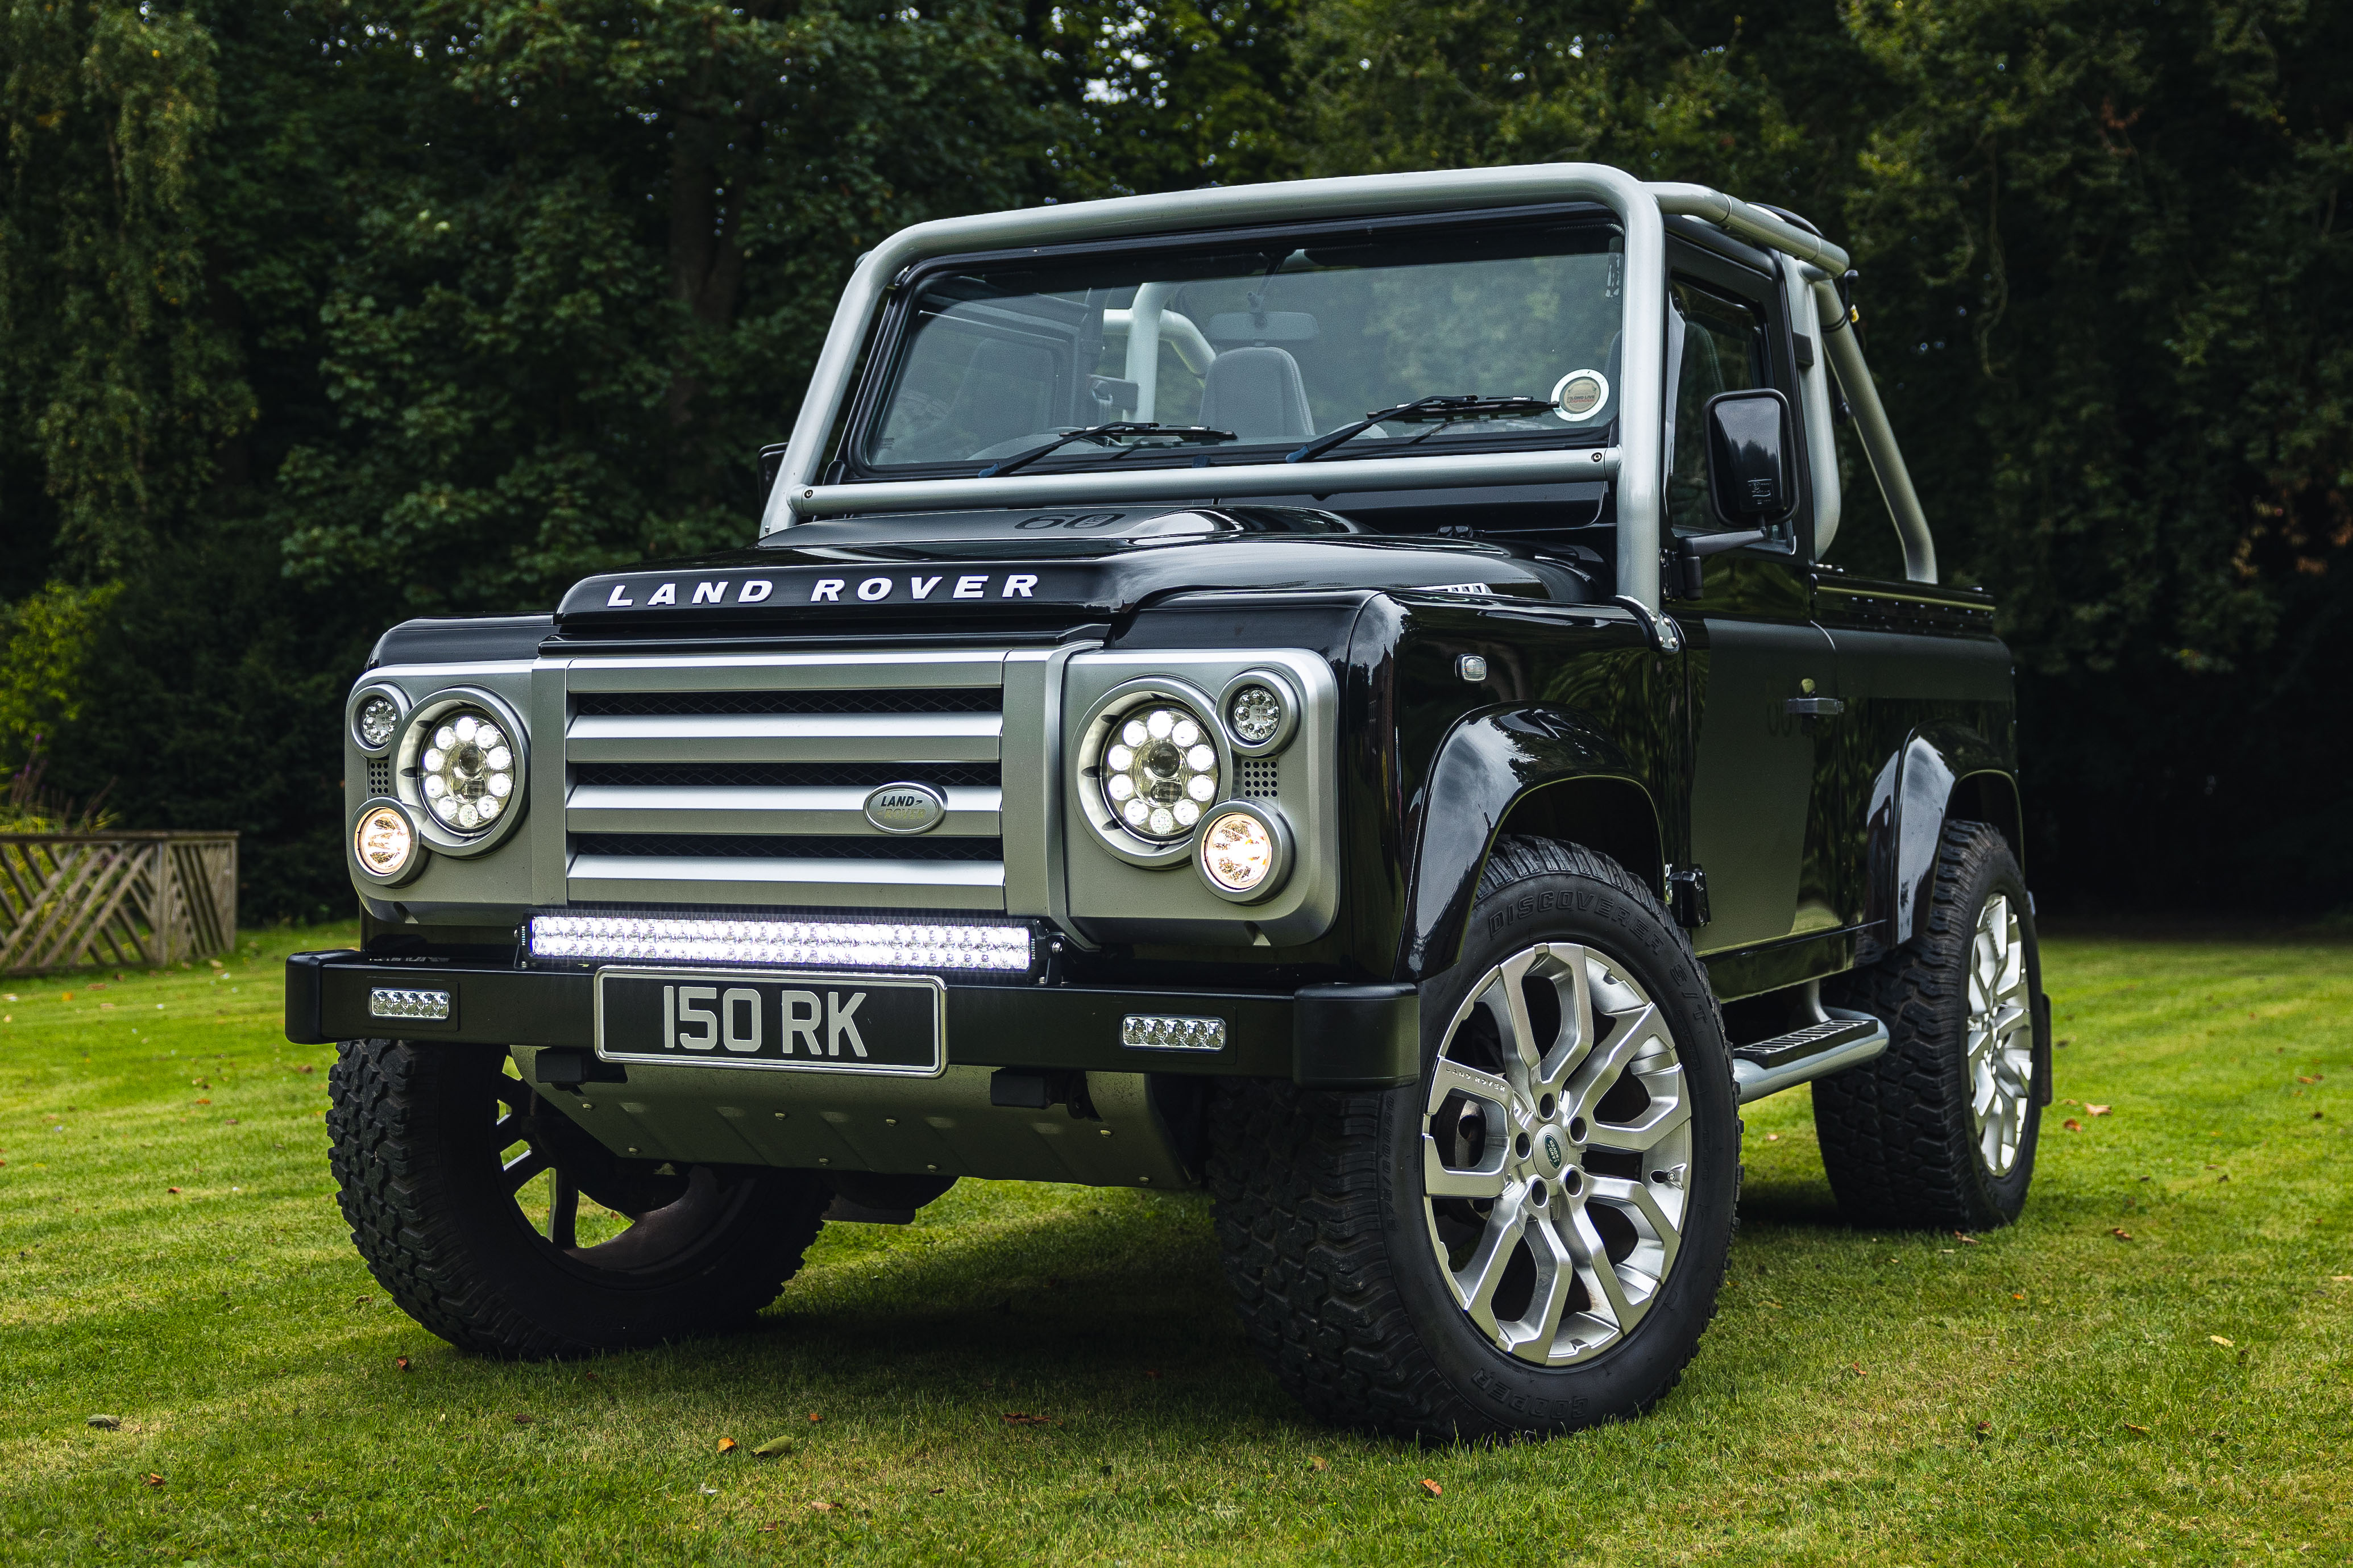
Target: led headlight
466	771
384	844
461	763
375	719
1244	853
1260	711
1160	771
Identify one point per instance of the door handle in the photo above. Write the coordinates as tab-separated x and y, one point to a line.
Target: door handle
1813	706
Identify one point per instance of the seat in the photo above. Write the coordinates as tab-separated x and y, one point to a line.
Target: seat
1257	394
1006	394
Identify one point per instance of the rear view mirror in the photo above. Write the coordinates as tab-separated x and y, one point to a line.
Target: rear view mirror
1748	457
1262	327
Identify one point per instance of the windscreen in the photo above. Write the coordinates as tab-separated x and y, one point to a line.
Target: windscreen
1271	345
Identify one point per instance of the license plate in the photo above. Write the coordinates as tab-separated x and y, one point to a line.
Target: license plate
812	1021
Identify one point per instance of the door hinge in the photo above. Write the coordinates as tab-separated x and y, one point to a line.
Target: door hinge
1687	896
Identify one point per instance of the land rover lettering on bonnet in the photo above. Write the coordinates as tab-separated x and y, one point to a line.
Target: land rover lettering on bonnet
1334	694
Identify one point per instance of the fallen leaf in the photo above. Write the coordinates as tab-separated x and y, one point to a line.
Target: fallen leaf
936	1491
204	1102
306	1066
152	1479
2018	1295
1959	1236
2101	1110
1432	1487
2130	1428
171	1189
726	1445
2072	1125
105	1423
1984	1428
68	997
1769	1138
2218	1339
2301	1078
522	1420
481	1508
1023	1418
360	1300
823	1507
1318	1462
774	1447
2318	1114
1858	1369
815	1416
2340	1278
2121	1234
106	1006
401	1362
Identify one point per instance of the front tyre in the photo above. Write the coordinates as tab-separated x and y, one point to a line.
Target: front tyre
1531	1238
1940	1130
463	1190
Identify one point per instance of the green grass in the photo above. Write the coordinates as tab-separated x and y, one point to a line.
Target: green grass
2048	1393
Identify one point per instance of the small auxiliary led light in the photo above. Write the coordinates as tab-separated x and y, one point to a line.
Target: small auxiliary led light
834	944
1154	1032
383	1002
383	841
1244	853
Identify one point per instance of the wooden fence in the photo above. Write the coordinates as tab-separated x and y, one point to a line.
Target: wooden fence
71	900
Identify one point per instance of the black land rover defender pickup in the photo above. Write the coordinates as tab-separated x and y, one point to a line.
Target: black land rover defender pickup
1323	692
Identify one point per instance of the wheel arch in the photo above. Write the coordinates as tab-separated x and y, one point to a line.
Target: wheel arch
1544	772
1942	774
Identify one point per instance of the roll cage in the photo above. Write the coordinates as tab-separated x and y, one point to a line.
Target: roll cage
1808	265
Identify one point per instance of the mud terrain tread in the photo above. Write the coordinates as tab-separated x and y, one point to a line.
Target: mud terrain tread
1887	1129
1296	1177
406	1222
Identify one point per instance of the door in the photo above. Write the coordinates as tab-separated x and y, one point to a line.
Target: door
1758	825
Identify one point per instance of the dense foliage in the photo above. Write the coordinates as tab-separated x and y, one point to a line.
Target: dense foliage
317	316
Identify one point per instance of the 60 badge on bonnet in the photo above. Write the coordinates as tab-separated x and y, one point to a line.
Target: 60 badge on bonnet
906	808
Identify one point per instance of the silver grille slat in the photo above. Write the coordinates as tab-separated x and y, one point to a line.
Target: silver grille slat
796	808
809	822
786	737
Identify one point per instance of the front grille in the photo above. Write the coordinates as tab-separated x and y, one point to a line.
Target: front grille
1257	778
798	846
784	775
637	703
704	781
379	777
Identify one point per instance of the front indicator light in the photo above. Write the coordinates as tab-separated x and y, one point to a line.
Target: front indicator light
384	842
1244	852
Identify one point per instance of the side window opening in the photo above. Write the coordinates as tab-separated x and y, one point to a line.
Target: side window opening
1722	349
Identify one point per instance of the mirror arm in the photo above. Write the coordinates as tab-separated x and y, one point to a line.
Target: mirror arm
1689	572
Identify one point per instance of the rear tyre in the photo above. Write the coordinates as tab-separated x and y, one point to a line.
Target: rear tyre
1530	1239
1940	1131
463	1191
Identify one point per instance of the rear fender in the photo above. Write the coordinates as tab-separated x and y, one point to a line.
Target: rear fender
1515	770
1944	772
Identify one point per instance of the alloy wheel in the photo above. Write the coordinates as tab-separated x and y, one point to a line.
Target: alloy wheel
1555	1156
2000	1036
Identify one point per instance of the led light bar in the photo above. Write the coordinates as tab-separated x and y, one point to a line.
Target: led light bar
387	1003
834	944
1152	1032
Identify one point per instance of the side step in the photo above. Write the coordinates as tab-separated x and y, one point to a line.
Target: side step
1841	1040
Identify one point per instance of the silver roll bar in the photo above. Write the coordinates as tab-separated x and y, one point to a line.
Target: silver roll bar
1637	464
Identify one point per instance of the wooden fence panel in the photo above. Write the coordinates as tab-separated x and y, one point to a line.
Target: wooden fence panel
73	899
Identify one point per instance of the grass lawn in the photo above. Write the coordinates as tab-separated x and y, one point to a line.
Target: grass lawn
170	1254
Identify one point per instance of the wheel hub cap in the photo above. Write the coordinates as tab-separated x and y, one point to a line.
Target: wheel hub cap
1555	1141
2000	1036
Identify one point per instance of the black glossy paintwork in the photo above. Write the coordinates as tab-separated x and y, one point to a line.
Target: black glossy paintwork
453	641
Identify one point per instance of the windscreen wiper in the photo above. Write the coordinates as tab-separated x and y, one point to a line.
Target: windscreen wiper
1425	410
1105	434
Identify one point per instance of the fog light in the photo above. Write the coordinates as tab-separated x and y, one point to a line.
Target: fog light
1245	851
384	842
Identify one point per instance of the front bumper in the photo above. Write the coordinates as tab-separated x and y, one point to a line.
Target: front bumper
1320	1037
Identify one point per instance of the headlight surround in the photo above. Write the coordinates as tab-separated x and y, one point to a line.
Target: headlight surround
1244	852
1152	762
462	770
385	844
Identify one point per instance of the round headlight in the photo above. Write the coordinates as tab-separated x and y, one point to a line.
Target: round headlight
1260	709
377	719
384	842
1245	852
1160	770
467	769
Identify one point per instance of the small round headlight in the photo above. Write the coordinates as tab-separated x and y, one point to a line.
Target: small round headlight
1256	713
1160	771
384	842
1245	852
379	717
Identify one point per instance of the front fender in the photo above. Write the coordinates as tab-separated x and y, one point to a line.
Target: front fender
1488	763
1914	794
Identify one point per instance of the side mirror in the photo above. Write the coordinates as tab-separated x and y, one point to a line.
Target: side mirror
1747	462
